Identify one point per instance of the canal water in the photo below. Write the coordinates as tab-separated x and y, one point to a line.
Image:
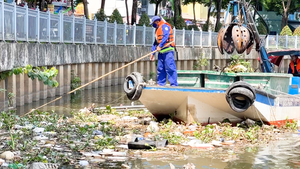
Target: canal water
281	154
101	97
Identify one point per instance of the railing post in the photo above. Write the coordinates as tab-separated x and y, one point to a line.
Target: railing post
2	19
73	29
286	41
105	32
15	21
193	35
134	34
144	35
83	30
209	38
37	24
296	41
153	34
267	42
174	33
49	26
124	34
115	33
26	22
95	30
277	40
61	26
183	37
201	36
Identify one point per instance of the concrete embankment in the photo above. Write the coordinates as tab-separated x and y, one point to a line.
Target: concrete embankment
89	62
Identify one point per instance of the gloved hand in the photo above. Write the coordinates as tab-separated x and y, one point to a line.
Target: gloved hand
152	57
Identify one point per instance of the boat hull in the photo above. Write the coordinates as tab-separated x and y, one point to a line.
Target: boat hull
210	106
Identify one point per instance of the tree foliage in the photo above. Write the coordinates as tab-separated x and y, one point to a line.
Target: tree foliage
277	6
180	23
46	76
195	27
170	21
282	7
116	16
286	31
144	20
100	15
262	30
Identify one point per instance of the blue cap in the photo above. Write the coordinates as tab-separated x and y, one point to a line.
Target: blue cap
154	18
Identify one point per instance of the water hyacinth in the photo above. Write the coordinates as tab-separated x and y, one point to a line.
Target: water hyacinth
86	135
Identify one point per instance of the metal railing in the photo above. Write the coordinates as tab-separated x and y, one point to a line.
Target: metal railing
24	24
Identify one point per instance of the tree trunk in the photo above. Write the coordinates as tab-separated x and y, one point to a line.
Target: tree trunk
284	20
127	16
285	15
102	4
156	7
208	12
42	5
194	2
218	15
72	6
86	10
133	14
35	3
177	9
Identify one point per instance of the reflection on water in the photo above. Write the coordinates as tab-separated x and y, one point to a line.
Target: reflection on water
281	154
113	95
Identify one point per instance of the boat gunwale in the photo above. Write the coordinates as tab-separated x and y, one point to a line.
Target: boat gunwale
234	74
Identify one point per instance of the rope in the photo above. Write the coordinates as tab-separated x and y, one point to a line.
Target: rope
113	71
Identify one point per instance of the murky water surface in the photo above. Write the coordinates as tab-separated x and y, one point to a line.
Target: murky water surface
281	154
101	97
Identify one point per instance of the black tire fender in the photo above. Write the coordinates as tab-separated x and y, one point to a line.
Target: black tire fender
126	88
240	84
240	96
138	83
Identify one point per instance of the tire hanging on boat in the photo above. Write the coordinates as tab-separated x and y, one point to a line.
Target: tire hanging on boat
133	86
240	96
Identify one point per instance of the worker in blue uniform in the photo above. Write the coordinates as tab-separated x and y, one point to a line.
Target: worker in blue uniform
166	63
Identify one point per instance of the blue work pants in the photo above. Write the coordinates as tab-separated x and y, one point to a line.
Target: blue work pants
166	66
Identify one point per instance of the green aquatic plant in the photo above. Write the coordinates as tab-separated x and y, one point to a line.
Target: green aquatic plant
167	132
75	80
291	125
237	65
200	63
42	74
206	135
